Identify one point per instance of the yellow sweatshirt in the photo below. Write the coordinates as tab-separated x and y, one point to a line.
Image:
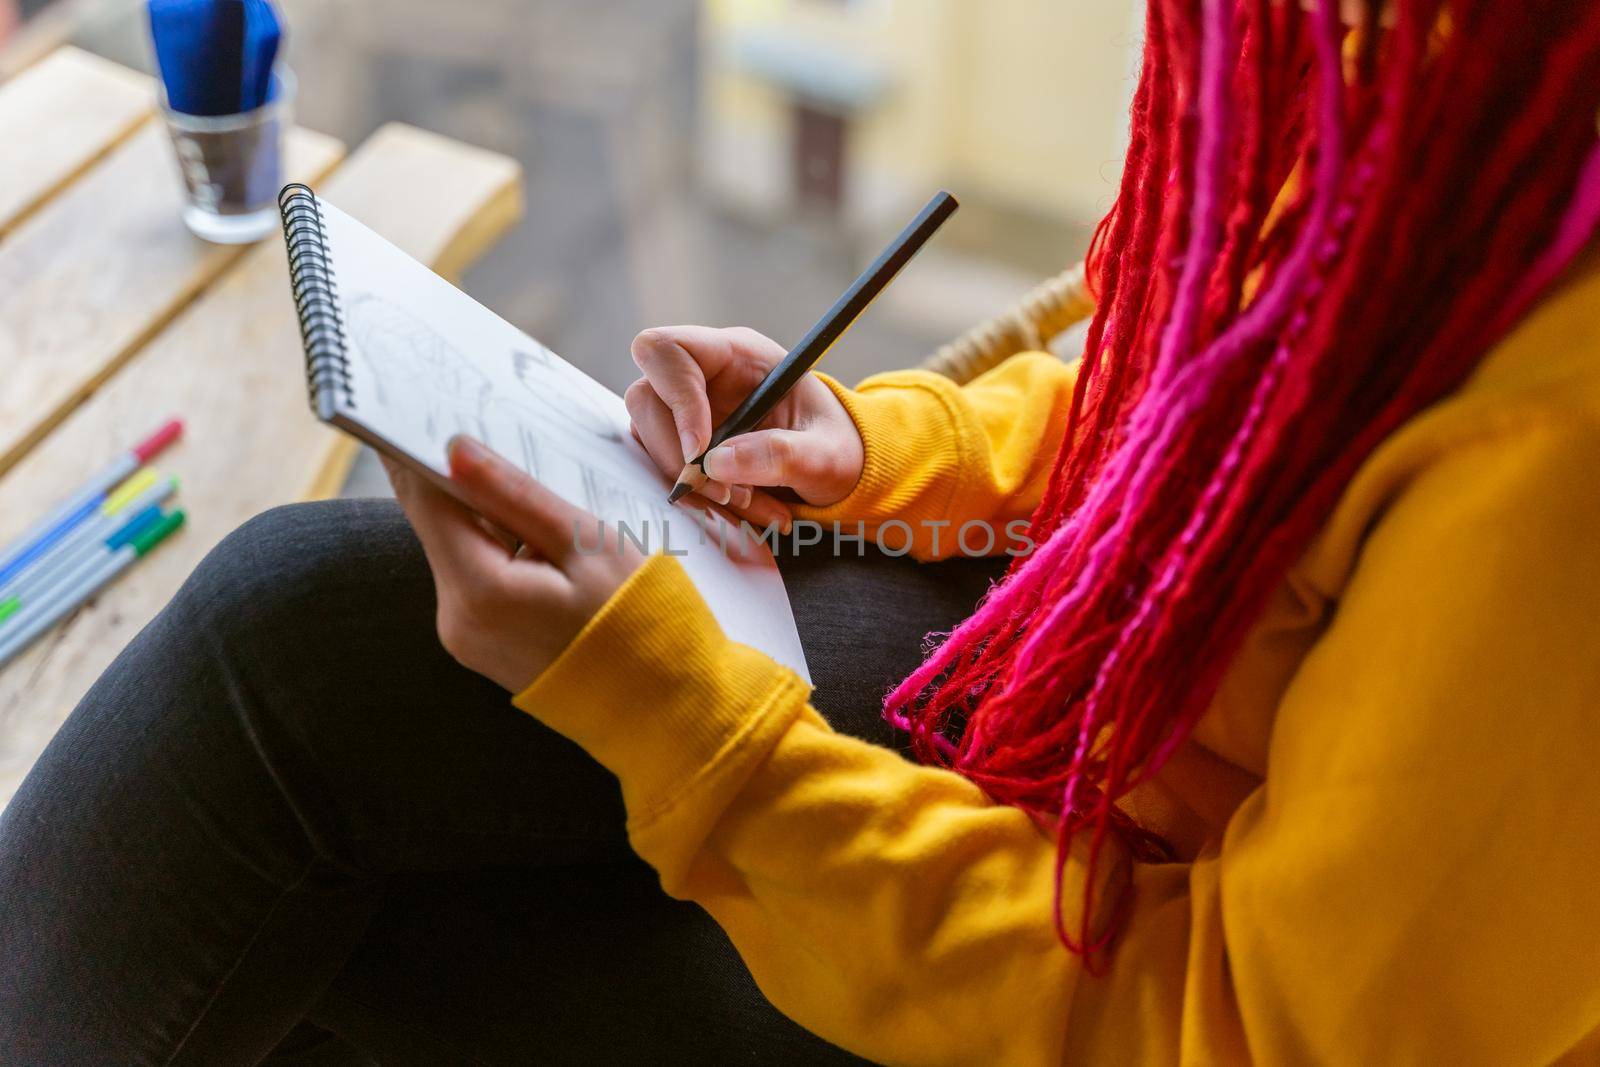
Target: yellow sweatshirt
1388	821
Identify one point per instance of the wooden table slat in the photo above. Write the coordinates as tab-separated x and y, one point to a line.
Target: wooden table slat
98	271
231	365
57	118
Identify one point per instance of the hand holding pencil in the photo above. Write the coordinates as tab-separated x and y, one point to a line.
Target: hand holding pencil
694	376
771	399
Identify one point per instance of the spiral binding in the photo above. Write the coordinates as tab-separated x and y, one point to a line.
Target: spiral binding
316	299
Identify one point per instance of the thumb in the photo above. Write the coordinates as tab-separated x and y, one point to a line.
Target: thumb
794	458
509	498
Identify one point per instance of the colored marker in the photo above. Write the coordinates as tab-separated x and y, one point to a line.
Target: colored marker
97	518
137	494
31	621
38	538
8	608
135	527
34	591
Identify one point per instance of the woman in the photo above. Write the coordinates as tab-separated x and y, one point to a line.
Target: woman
1279	745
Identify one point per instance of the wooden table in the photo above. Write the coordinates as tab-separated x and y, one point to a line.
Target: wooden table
112	317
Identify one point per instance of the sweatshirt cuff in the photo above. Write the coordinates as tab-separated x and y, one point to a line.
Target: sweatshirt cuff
914	446
653	690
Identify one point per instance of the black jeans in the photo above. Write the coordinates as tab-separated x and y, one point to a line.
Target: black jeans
286	825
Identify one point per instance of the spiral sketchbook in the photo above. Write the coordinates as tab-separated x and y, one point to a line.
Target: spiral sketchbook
403	360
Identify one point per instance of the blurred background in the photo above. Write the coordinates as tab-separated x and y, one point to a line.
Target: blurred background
723	161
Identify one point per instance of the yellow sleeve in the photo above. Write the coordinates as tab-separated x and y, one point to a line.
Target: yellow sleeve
888	907
1415	883
938	455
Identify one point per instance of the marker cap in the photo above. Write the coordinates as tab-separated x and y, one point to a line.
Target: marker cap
137	483
141	521
157	532
169	432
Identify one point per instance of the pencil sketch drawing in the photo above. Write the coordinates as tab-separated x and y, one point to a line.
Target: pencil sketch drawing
561	392
602	496
446	393
530	451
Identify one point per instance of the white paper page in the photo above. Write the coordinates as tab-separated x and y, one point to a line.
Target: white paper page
427	361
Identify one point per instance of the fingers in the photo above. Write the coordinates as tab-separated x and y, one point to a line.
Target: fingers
765	510
653	425
719	492
481	587
771	457
508	497
678	361
458	548
654	429
680	383
762	510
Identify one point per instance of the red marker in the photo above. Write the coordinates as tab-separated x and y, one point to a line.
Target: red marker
153	445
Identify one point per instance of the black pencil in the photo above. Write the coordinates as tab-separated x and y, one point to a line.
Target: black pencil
803	356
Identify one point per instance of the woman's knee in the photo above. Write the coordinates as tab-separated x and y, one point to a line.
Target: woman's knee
288	639
285	566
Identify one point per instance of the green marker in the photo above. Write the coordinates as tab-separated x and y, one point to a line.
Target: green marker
138	504
156	533
8	607
35	617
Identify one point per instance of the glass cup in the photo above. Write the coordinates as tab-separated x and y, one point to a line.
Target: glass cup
233	165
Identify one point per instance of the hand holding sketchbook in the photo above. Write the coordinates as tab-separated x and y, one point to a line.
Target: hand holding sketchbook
399	358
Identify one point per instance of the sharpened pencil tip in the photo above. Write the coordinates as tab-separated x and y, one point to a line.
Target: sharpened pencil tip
679	491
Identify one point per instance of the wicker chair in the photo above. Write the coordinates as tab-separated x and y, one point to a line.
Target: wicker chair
1037	319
